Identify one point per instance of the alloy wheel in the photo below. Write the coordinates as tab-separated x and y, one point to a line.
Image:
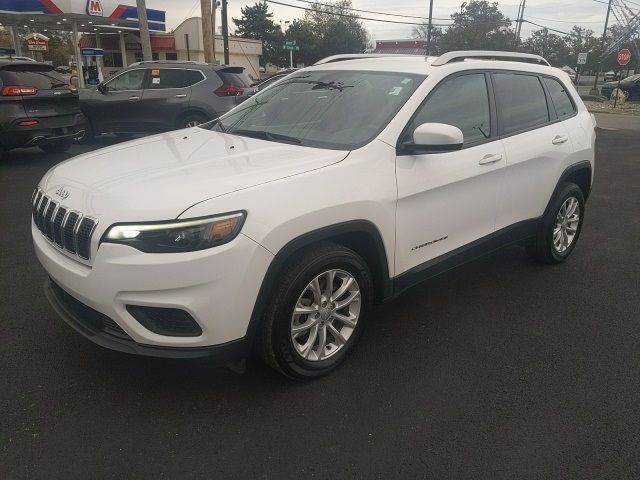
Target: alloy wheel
566	226
325	315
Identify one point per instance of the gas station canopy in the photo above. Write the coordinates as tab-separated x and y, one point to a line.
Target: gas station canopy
89	15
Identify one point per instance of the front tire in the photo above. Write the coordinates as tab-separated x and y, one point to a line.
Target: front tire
88	135
561	226
191	120
317	311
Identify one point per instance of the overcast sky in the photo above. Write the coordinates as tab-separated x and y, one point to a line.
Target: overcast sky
561	15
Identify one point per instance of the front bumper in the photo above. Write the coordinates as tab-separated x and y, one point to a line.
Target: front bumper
217	287
49	130
90	324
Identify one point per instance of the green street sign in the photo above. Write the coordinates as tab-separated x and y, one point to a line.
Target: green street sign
292	47
290	43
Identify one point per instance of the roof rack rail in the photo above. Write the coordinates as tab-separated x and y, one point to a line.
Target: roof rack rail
488	55
358	56
188	62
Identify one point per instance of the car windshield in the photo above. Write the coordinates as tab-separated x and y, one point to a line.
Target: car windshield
632	78
340	110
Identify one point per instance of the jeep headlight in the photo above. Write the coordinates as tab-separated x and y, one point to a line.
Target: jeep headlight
178	235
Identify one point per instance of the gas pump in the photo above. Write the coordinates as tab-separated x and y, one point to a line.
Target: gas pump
91	70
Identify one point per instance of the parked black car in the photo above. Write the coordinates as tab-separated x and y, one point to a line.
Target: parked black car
630	86
273	79
38	107
162	95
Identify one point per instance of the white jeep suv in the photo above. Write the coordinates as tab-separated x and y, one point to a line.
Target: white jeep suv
276	227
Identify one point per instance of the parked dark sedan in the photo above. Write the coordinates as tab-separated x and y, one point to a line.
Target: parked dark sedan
161	96
38	107
630	86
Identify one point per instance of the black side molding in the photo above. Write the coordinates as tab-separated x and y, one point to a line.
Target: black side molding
509	235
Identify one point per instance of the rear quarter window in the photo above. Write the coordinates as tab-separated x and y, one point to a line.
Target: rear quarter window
234	76
560	98
521	101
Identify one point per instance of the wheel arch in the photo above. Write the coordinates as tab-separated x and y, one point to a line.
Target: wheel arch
579	173
362	236
193	110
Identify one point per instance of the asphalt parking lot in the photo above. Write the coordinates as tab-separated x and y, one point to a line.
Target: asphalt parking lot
500	369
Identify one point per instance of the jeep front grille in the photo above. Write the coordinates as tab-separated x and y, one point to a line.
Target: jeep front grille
67	229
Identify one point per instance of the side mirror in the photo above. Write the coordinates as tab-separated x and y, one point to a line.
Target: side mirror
435	137
102	88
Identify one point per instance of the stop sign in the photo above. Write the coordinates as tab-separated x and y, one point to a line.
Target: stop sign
624	57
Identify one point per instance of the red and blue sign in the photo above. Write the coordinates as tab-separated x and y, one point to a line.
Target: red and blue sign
96	8
29	6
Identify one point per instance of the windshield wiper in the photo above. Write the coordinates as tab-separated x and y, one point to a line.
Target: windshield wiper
215	122
270	136
56	85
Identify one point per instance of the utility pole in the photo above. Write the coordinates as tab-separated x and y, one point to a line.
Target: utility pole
145	39
520	20
207	30
225	32
428	47
213	27
594	90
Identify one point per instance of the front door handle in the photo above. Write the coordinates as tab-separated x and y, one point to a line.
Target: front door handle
559	139
490	158
181	95
133	99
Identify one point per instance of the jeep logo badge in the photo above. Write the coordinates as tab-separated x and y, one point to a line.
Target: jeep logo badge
62	193
94	8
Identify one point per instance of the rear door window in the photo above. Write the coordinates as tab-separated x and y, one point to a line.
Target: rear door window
560	98
161	78
521	101
41	77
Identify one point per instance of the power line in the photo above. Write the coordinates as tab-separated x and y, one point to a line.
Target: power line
546	28
370	11
338	14
561	21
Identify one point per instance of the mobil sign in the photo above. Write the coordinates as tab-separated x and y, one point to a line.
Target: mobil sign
94	8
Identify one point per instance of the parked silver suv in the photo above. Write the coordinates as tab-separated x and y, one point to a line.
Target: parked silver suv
161	96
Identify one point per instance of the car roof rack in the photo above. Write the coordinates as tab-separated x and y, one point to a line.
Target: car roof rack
488	55
169	62
358	56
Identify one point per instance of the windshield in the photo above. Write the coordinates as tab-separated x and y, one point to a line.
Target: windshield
340	110
632	78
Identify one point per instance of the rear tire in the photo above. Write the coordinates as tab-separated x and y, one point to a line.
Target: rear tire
313	343
561	226
56	147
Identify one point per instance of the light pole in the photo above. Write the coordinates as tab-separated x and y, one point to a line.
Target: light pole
145	39
594	90
428	47
225	32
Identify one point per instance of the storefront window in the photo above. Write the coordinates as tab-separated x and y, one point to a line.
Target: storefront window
112	59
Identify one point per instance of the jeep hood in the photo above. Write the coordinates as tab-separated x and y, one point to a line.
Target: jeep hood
158	177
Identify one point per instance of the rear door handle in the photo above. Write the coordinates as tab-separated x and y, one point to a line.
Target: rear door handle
559	139
181	95
490	158
133	99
